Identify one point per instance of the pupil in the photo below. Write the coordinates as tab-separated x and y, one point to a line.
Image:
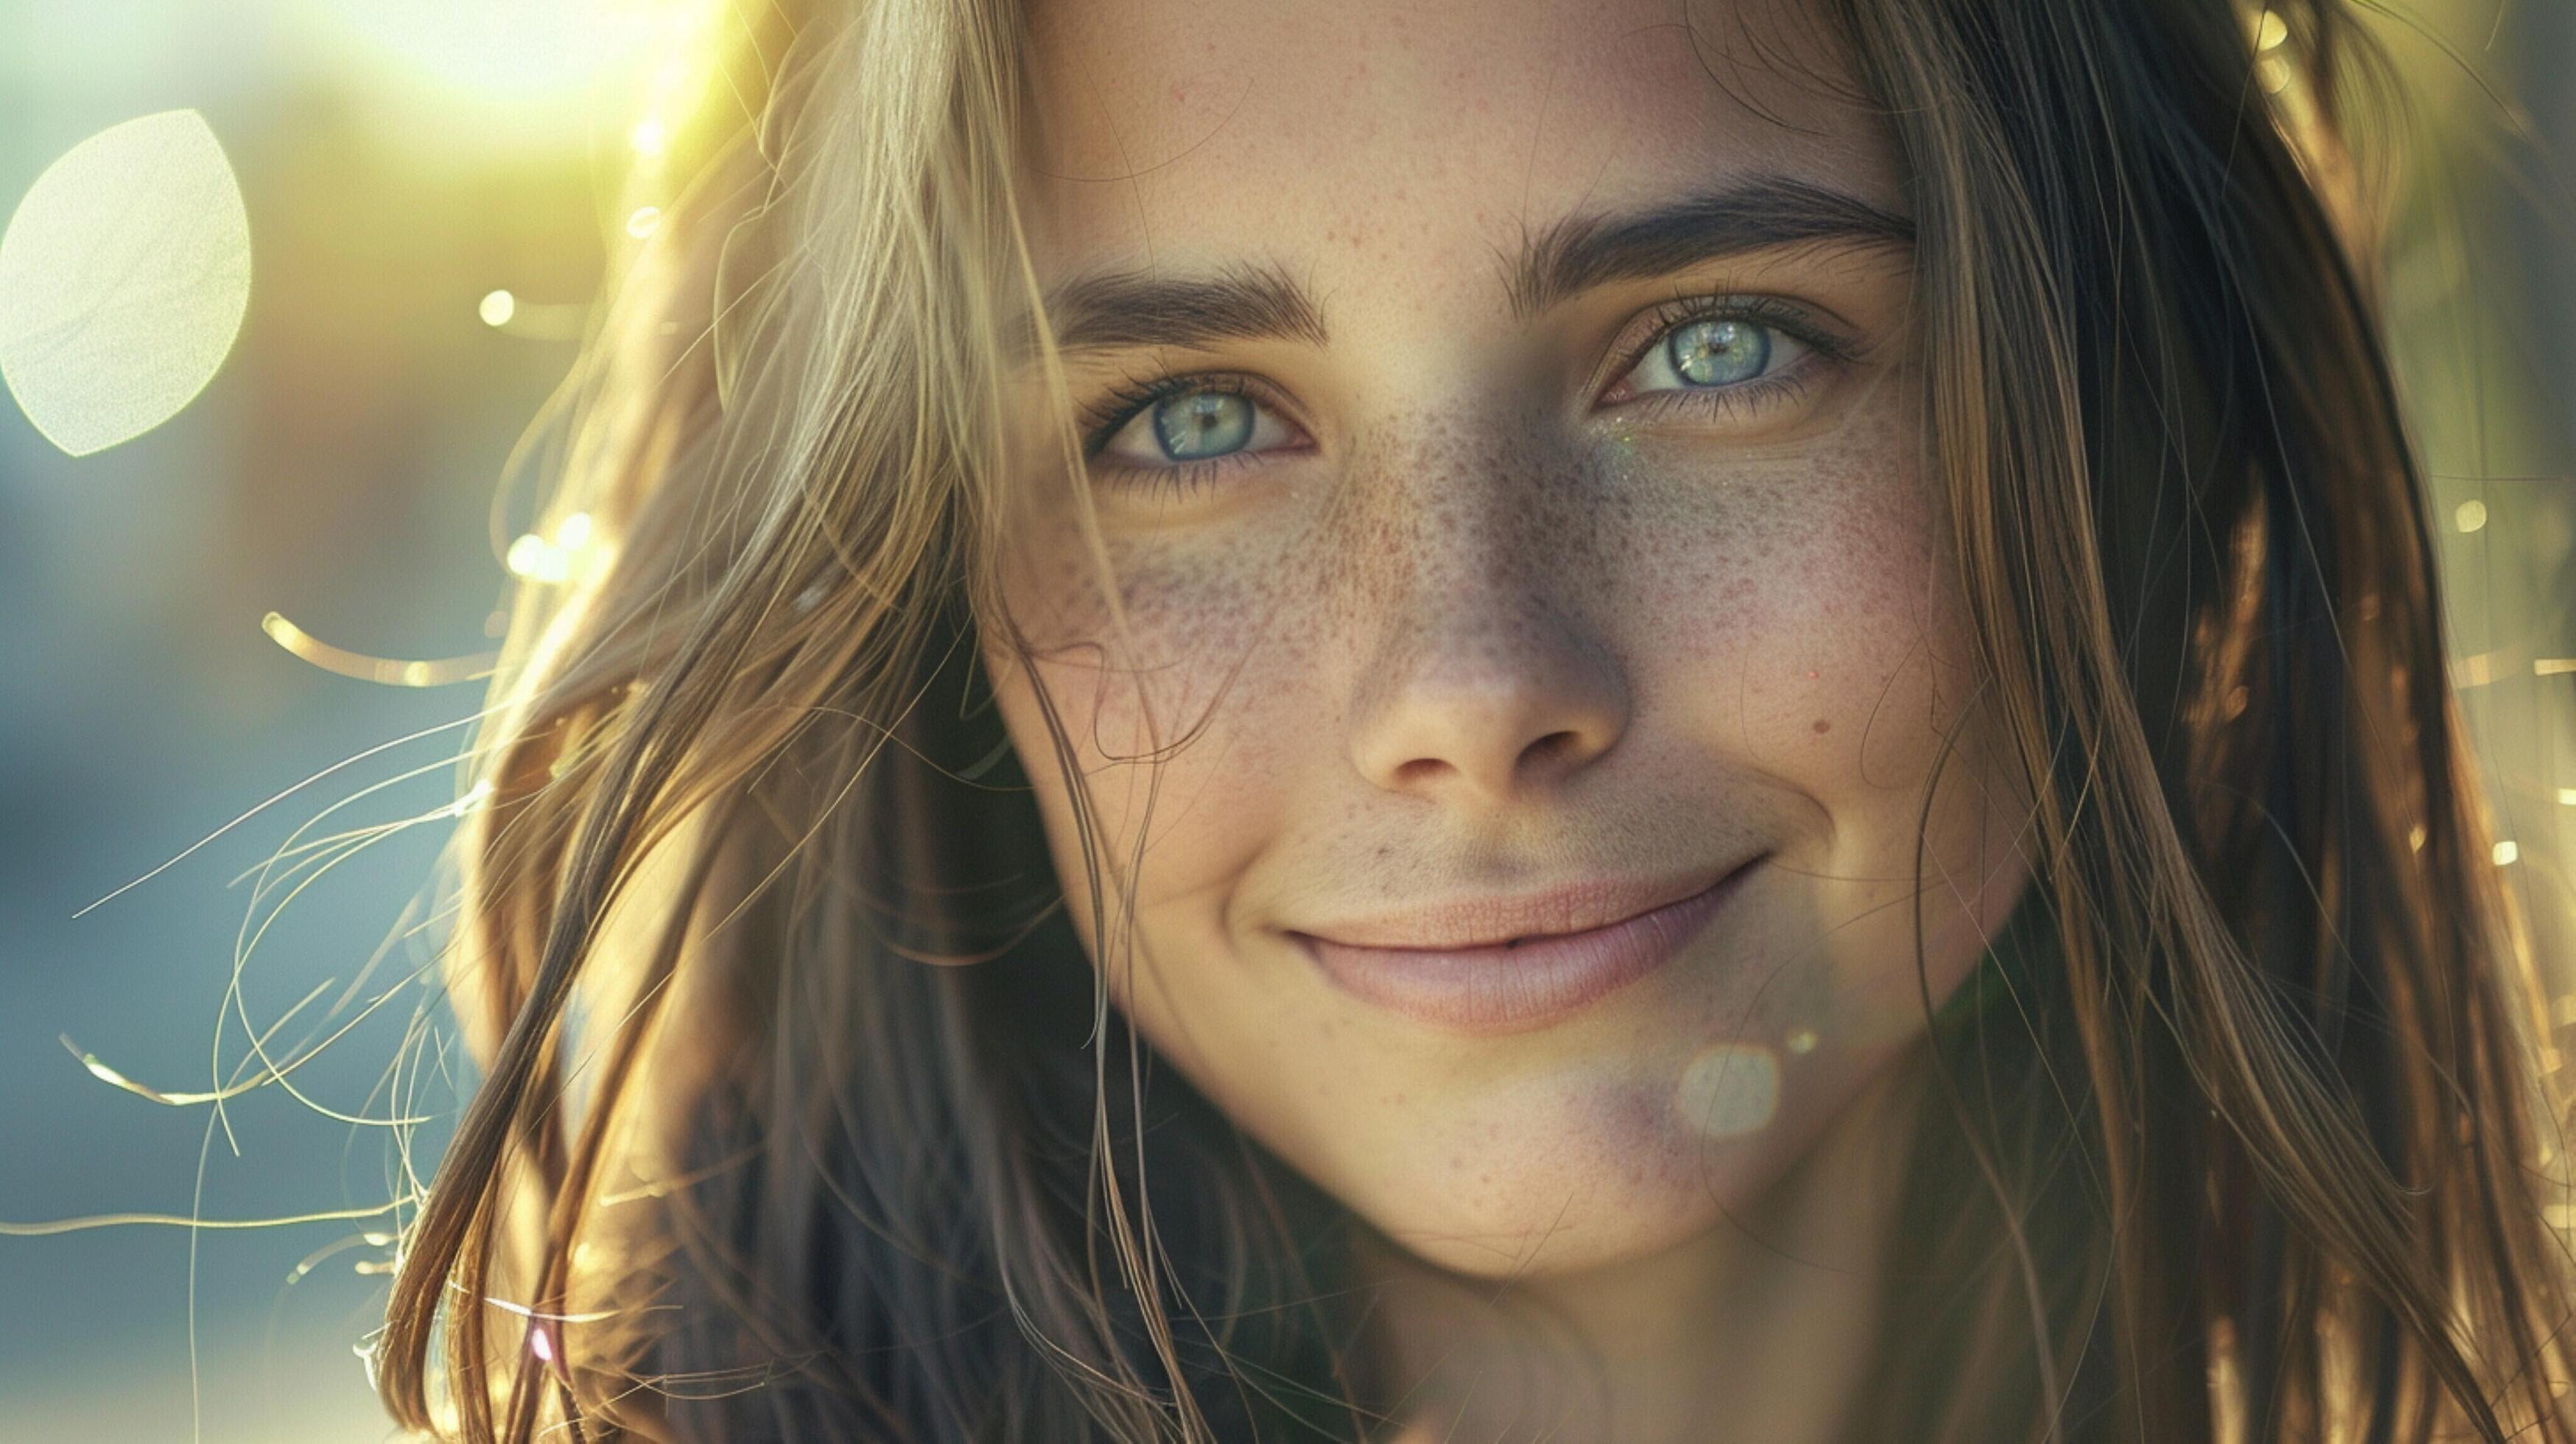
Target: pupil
1719	353
1202	424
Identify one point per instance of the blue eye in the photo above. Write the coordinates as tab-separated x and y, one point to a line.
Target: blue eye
1201	425
1712	354
1191	424
1718	353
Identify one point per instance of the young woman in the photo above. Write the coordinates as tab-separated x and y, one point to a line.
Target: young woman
1533	720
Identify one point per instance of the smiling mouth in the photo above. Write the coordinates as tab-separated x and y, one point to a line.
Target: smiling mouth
1515	981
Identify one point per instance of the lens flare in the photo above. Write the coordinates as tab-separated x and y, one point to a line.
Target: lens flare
391	671
124	276
1730	1090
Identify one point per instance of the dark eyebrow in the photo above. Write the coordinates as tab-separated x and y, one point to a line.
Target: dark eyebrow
1580	252
1105	310
1108	309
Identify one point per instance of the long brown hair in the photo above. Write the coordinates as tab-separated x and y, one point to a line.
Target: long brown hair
2242	1109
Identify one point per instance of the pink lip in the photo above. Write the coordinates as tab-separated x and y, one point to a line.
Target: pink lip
1495	966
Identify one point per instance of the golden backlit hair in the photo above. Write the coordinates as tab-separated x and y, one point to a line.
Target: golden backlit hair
2241	1113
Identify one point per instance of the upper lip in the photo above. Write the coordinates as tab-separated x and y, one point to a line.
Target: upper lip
1490	921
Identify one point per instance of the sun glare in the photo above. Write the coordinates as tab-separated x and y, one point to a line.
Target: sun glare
124	275
534	73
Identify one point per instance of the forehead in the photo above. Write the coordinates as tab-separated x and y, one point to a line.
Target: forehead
1314	131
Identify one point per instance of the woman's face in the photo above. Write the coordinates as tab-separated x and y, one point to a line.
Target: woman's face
1540	658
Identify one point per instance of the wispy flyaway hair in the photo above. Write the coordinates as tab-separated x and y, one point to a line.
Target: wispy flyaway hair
802	1114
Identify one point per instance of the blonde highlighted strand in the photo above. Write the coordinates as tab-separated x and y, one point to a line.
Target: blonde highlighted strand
751	1157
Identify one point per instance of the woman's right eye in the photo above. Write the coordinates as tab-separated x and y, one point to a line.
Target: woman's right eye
1196	425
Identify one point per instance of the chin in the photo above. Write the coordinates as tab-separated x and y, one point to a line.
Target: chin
1568	1180
1560	1205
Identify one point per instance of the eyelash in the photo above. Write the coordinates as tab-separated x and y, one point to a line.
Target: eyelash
1103	420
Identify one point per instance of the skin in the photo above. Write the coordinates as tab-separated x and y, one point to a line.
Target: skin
1480	611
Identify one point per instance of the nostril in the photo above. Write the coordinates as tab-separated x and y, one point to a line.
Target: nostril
1420	770
1553	745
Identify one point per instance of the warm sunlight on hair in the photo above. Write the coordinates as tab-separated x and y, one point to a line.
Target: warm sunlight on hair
1801	721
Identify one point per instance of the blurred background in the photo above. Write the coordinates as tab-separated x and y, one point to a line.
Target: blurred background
400	162
197	619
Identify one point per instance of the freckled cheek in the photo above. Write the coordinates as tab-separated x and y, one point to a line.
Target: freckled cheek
1205	684
1882	613
1211	653
1892	652
1800	622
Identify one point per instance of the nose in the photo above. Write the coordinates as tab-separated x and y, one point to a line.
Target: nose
1486	696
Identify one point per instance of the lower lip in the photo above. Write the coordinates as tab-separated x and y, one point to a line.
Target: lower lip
1513	988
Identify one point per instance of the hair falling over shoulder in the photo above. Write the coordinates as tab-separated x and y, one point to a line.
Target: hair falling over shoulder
2237	1135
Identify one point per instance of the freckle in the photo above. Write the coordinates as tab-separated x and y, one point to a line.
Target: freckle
1823	727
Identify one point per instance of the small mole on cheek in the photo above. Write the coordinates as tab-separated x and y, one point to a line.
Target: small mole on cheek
1823	727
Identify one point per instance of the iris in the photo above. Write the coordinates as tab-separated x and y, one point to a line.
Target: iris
1718	353
1200	425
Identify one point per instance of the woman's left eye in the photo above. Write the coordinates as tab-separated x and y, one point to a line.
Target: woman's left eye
1711	354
